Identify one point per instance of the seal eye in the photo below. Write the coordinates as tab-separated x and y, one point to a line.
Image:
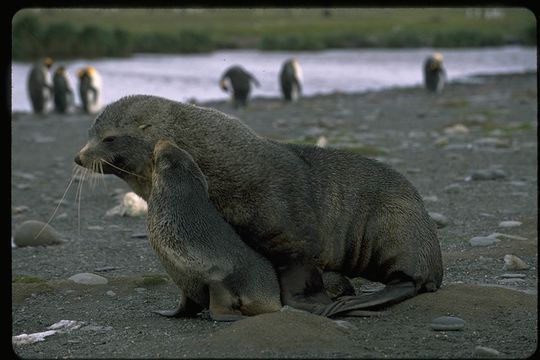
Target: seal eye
109	139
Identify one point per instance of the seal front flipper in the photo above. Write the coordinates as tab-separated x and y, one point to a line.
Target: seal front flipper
349	305
186	308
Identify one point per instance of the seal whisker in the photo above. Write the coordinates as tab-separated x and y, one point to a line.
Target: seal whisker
127	172
101	174
79	195
59	202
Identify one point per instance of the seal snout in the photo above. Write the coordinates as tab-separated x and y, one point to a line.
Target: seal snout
78	160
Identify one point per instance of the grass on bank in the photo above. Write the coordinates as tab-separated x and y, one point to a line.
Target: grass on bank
120	32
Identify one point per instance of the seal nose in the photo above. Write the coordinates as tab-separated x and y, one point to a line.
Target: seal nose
78	159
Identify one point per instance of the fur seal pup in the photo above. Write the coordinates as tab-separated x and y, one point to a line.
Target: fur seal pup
434	73
290	79
239	79
200	251
90	89
40	86
63	92
306	209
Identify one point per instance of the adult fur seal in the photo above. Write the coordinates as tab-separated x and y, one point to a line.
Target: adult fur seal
434	73
239	80
200	251
307	209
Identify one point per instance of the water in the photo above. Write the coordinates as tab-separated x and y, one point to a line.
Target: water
184	77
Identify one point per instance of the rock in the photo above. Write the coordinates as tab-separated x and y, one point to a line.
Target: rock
442	141
110	293
458	129
105	268
413	170
139	236
453	188
510	223
518	183
512	276
95	227
430	198
88	279
483	241
62	216
482	352
322	141
493	142
447	323
487	174
140	290
27	233
511	281
439	219
512	262
20	209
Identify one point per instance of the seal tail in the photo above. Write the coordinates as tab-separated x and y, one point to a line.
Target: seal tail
355	305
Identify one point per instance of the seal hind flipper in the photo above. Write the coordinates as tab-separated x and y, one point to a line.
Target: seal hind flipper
186	308
348	305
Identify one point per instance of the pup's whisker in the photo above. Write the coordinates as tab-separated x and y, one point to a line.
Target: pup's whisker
116	167
73	174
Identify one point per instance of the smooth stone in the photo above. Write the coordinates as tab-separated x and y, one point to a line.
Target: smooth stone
439	219
26	234
518	183
482	241
88	279
488	174
110	293
511	281
95	227
498	143
512	276
453	188
458	129
512	262
447	323
20	209
430	198
140	290
509	223
483	351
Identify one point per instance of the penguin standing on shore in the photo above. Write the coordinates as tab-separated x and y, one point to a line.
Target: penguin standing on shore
40	87
237	80
63	91
290	78
434	73
90	89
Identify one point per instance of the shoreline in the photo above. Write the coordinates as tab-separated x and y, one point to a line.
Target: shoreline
462	80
